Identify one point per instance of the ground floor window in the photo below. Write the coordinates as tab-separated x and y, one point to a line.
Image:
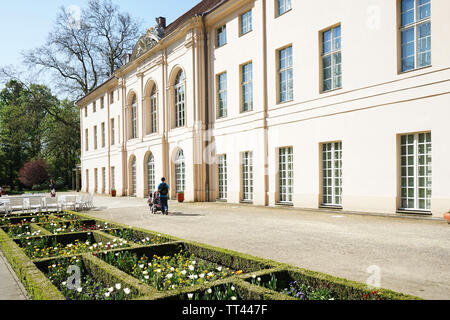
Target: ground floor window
151	173
247	176
286	174
416	171
113	178
87	180
103	180
332	174
222	172
180	172
95	180
133	177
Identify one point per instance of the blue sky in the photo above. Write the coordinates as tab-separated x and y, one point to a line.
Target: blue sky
24	24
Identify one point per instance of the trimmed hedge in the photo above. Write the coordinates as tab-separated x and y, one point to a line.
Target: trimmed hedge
40	288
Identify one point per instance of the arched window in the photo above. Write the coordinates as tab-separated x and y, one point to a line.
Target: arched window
133	177
153	111
134	118
179	100
151	173
180	170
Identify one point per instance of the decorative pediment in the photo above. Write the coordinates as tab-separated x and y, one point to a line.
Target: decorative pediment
147	41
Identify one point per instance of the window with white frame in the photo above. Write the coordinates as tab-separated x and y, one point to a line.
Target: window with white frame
133	177
222	175
179	100
286	174
154	110
283	6
151	181
85	112
247	176
96	180
415	33
102	103
113	177
86	136
103	134
221	36
416	171
247	87
94	107
331	59
180	172
87	180
113	132
134	118
332	174
95	138
246	22
285	74
111	97
103	180
222	95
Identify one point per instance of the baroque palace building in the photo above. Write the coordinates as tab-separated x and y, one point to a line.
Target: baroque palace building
328	103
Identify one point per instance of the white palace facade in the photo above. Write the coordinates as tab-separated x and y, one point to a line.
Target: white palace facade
340	104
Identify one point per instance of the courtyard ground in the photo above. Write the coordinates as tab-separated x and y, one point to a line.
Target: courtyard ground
412	255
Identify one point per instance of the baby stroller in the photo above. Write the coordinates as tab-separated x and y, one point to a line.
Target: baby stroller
155	203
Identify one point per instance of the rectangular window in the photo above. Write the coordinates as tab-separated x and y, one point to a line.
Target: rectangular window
95	138
103	180
102	103
87	180
86	137
222	173
113	133
331	59
111	97
415	31
247	176
246	22
103	135
222	36
154	113
85	112
286	175
247	87
285	74
222	95
283	6
416	171
332	174
94	106
113	177
95	180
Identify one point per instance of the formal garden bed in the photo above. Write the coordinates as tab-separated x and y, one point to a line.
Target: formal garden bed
70	256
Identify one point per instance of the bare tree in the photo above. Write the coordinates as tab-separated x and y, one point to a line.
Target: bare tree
84	51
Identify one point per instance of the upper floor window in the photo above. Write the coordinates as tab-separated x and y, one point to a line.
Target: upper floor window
415	30
102	102
85	112
111	97
331	59
246	22
283	6
113	133
95	138
285	74
134	118
154	110
222	95
179	100
222	36
247	87
94	106
103	134
86	139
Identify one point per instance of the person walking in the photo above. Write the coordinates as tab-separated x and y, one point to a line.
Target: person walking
163	190
52	187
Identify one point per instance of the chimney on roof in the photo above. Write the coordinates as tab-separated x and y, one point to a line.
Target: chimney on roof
161	22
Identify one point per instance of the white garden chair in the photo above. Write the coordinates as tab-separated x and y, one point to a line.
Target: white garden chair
16	204
5	206
69	201
32	204
51	204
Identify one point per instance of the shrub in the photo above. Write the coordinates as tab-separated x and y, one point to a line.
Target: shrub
33	173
